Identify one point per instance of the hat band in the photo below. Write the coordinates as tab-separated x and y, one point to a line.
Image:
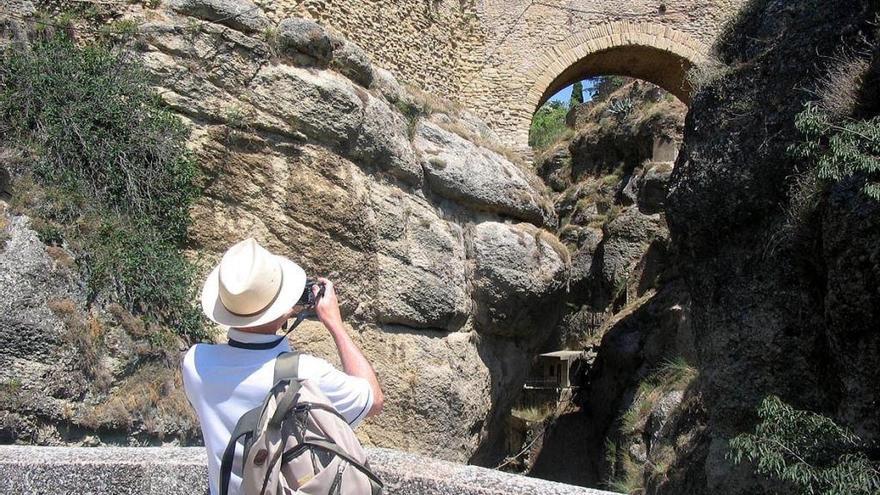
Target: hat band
264	308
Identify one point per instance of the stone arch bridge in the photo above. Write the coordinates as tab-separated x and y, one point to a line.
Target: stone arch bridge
504	58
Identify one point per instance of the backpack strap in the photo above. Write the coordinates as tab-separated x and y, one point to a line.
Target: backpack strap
286	366
376	484
246	425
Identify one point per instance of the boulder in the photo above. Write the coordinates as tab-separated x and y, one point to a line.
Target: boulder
583	259
627	238
437	388
298	36
660	414
421	266
242	15
652	188
519	270
630	192
387	85
382	141
14	30
472	175
584	212
354	63
555	168
330	110
323	106
476	126
29	280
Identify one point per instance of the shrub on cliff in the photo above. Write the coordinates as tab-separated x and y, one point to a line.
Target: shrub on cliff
841	149
110	177
808	451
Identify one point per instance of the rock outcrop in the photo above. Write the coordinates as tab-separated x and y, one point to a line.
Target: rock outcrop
781	303
433	236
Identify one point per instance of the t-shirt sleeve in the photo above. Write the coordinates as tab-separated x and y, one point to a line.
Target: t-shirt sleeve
350	395
187	371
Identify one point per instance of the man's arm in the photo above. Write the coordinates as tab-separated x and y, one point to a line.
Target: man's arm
353	361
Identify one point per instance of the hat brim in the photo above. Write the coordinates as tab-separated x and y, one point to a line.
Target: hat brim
293	282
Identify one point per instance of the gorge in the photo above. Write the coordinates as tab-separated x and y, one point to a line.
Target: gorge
701	260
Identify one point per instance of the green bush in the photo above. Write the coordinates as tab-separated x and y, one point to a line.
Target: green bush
97	127
807	450
548	125
112	178
840	149
116	257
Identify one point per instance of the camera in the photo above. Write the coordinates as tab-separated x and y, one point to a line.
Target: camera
308	298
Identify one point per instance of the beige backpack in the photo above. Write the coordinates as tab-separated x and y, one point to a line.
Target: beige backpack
296	442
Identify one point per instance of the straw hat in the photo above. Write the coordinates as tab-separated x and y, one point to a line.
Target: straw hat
251	286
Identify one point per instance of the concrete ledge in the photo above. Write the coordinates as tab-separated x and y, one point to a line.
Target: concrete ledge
183	471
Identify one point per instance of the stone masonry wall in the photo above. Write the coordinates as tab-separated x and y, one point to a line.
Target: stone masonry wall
423	42
498	57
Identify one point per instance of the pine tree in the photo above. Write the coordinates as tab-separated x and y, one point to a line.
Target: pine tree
577	94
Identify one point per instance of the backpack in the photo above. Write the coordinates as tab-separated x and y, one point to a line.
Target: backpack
296	442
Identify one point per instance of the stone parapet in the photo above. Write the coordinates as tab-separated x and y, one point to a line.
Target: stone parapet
183	471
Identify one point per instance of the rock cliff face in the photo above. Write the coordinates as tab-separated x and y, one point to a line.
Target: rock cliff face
771	281
434	237
626	304
779	304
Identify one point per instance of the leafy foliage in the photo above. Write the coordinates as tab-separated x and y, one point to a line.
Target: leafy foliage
548	125
807	450
112	177
848	148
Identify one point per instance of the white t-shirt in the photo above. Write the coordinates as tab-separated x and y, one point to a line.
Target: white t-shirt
223	382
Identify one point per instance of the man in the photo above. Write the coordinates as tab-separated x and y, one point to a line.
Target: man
253	292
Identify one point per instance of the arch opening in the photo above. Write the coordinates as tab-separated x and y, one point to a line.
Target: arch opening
663	68
646	51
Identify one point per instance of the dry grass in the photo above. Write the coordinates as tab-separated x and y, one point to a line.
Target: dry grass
660	167
153	397
838	90
431	103
631	479
4	231
543	237
662	459
489	144
86	335
672	374
628	475
60	256
534	413
704	74
133	325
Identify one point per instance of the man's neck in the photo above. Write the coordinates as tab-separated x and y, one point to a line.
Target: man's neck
259	330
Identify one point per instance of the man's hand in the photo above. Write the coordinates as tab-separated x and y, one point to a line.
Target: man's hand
327	307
